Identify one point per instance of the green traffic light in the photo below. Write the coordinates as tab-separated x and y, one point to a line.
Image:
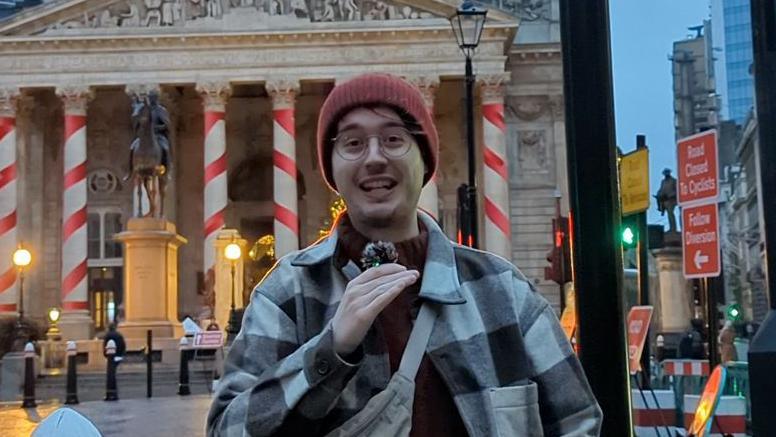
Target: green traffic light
628	236
734	312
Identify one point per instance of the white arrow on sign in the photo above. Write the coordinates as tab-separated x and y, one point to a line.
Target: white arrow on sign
699	259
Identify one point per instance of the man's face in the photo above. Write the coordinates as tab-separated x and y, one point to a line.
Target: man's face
378	189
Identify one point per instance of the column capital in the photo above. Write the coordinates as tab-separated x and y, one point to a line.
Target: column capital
283	91
493	87
214	94
9	101
141	90
427	85
75	98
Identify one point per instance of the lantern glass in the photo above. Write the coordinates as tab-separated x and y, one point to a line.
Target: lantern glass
232	252
22	257
467	24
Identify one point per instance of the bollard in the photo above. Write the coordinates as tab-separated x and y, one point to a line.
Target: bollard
29	376
183	383
149	363
71	397
111	391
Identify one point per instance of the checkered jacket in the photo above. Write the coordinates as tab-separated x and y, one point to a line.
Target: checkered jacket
282	376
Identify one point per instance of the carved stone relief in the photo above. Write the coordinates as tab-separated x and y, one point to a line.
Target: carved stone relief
532	150
527	10
231	14
533	157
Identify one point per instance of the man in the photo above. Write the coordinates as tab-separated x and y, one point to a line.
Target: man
321	338
118	339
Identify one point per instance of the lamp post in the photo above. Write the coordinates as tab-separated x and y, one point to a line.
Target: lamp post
467	24
232	252
21	259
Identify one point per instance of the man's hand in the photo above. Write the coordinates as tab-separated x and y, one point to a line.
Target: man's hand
365	297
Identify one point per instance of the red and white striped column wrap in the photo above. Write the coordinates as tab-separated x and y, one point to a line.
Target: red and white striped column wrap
686	367
8	285
284	182
74	238
496	177
660	414
429	196
729	418
214	96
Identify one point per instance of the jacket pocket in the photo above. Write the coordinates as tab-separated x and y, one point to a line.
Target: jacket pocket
516	410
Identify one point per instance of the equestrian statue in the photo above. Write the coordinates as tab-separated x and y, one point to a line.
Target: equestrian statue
149	154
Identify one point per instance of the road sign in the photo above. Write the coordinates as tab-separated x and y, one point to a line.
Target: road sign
700	241
634	181
208	340
568	318
701	424
698	169
638	326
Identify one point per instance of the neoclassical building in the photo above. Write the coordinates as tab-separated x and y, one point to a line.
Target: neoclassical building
243	81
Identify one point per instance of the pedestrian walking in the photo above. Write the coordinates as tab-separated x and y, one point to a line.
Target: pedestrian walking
434	339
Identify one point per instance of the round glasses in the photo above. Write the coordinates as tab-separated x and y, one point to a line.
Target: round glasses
394	143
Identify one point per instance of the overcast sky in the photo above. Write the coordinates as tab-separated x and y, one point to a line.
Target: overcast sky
643	33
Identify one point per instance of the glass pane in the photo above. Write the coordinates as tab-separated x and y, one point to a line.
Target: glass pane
113	224
93	233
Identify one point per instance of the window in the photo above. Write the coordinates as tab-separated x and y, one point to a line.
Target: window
103	224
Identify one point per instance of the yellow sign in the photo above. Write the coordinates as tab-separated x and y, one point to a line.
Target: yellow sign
568	320
634	182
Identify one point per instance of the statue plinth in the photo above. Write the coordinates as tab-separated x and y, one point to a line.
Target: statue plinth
674	303
150	278
672	239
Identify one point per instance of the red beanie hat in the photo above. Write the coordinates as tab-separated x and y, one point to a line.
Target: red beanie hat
374	90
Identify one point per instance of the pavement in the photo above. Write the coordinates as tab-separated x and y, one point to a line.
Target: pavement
160	416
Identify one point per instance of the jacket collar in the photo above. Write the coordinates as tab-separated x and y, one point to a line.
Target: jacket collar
440	275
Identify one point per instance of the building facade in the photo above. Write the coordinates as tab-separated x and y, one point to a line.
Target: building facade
696	103
243	81
743	247
738	57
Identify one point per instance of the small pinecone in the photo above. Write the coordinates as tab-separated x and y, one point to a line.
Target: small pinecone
378	252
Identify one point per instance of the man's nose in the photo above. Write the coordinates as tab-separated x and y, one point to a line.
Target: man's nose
374	156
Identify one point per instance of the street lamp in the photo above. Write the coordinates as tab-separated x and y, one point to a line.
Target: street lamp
232	252
21	259
53	332
467	24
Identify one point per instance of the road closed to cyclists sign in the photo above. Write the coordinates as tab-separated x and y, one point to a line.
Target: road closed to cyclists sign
698	169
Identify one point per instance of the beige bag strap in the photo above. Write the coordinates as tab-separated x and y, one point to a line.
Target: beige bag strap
416	345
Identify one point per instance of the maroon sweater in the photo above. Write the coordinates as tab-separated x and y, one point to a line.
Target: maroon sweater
434	412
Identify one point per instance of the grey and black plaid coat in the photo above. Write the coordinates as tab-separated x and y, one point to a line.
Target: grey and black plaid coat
495	342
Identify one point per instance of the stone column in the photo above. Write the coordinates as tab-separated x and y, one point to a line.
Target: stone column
76	324
429	196
286	224
214	97
675	302
8	286
495	173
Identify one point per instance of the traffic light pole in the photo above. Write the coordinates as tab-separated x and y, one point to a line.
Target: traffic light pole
594	201
643	265
762	351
